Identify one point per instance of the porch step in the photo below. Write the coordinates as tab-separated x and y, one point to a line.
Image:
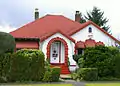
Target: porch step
64	69
65	76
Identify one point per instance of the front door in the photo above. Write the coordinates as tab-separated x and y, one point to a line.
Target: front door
57	53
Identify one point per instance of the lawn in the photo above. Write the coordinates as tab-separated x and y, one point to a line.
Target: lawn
41	85
103	84
55	85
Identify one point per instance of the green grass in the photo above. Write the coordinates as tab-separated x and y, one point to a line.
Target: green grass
55	85
103	84
41	85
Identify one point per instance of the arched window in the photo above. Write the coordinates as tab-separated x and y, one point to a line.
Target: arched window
90	30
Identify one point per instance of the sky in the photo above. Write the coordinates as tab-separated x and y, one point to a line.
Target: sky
16	13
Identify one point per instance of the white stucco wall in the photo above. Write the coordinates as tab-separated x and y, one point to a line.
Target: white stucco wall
98	35
43	46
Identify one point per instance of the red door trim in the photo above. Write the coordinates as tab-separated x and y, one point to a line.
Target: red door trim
65	45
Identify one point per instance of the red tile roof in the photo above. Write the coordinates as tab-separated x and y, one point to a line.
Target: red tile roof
80	44
99	43
49	24
46	26
90	43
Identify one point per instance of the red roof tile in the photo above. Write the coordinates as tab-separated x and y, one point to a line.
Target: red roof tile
80	44
45	26
99	43
90	43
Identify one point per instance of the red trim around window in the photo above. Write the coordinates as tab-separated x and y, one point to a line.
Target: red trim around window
65	45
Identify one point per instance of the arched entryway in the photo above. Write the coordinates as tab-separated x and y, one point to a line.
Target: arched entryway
57	52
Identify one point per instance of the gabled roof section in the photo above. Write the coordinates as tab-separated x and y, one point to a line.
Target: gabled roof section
90	22
50	34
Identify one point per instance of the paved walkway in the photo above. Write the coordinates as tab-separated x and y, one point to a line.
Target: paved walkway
67	79
75	83
38	84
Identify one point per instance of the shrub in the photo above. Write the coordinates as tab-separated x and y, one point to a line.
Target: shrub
108	79
76	57
74	76
100	57
47	65
7	43
52	75
47	77
56	74
88	74
117	65
27	65
81	62
4	66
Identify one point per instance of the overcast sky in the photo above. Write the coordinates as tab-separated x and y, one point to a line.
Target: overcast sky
16	13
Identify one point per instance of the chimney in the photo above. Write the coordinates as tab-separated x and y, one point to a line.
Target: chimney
36	13
77	16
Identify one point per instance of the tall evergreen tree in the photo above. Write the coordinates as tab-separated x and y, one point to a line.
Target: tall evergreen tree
97	16
82	19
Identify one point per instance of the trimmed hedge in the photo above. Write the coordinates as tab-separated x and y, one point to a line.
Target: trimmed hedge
52	75
105	59
88	74
109	79
27	65
47	77
4	66
56	74
116	62
7	43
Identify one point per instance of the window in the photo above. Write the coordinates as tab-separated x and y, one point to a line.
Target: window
90	30
79	51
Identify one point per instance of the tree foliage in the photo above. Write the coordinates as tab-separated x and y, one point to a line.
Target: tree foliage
82	19
97	16
7	43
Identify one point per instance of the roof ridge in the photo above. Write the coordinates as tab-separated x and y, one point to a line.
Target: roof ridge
52	15
71	20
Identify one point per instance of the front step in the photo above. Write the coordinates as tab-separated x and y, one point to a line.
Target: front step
64	68
65	76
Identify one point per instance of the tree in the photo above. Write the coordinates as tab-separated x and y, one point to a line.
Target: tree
7	43
82	19
96	15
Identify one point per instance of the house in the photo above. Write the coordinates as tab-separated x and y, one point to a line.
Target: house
60	38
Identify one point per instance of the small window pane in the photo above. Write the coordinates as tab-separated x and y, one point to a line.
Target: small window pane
90	29
80	51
